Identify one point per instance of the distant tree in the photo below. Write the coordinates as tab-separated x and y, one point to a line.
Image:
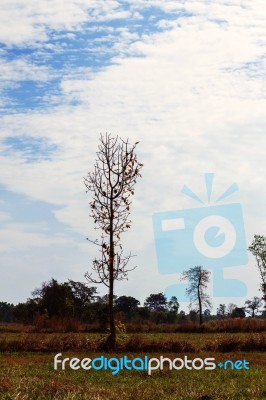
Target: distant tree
83	297
207	314
156	302
238	312
105	299
182	316
55	298
143	313
21	315
127	304
25	312
160	317
97	311
6	312
230	309
82	292
198	279
173	304
258	249
112	183
253	306
221	311
193	315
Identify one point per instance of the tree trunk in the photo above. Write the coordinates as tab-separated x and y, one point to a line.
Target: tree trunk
199	298
112	336
200	311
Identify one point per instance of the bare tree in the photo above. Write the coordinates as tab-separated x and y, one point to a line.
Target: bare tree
258	249
112	184
198	279
253	306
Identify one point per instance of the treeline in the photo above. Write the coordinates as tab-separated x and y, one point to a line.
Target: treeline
76	301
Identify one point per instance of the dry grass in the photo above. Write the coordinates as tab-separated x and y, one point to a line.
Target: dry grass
225	325
179	343
69	324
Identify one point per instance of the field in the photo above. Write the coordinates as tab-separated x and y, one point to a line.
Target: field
27	371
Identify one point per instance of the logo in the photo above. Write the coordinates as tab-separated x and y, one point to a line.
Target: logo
144	363
212	235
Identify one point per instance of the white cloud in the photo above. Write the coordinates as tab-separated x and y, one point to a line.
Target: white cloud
23	237
190	100
22	22
179	87
22	70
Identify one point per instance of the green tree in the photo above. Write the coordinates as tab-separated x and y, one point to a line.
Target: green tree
57	299
156	302
111	184
207	314
127	304
25	312
6	312
193	315
198	279
83	295
258	249
173	304
238	312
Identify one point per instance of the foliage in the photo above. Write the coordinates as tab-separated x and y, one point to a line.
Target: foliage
127	304
221	311
238	312
55	299
6	312
156	302
173	304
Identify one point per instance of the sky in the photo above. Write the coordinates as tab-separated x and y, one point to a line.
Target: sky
185	78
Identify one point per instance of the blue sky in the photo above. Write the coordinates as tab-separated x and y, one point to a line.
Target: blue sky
185	78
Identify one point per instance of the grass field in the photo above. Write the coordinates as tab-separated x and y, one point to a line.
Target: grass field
29	375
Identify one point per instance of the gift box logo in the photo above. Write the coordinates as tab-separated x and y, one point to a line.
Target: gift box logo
212	236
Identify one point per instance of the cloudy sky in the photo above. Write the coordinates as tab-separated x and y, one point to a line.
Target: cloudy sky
186	78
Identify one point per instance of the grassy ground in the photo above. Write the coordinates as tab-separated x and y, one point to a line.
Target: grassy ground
27	375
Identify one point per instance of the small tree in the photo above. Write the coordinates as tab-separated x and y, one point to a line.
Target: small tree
84	296
253	306
112	184
258	249
198	279
57	299
238	312
156	302
221	311
207	314
230	309
6	312
127	304
173	304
